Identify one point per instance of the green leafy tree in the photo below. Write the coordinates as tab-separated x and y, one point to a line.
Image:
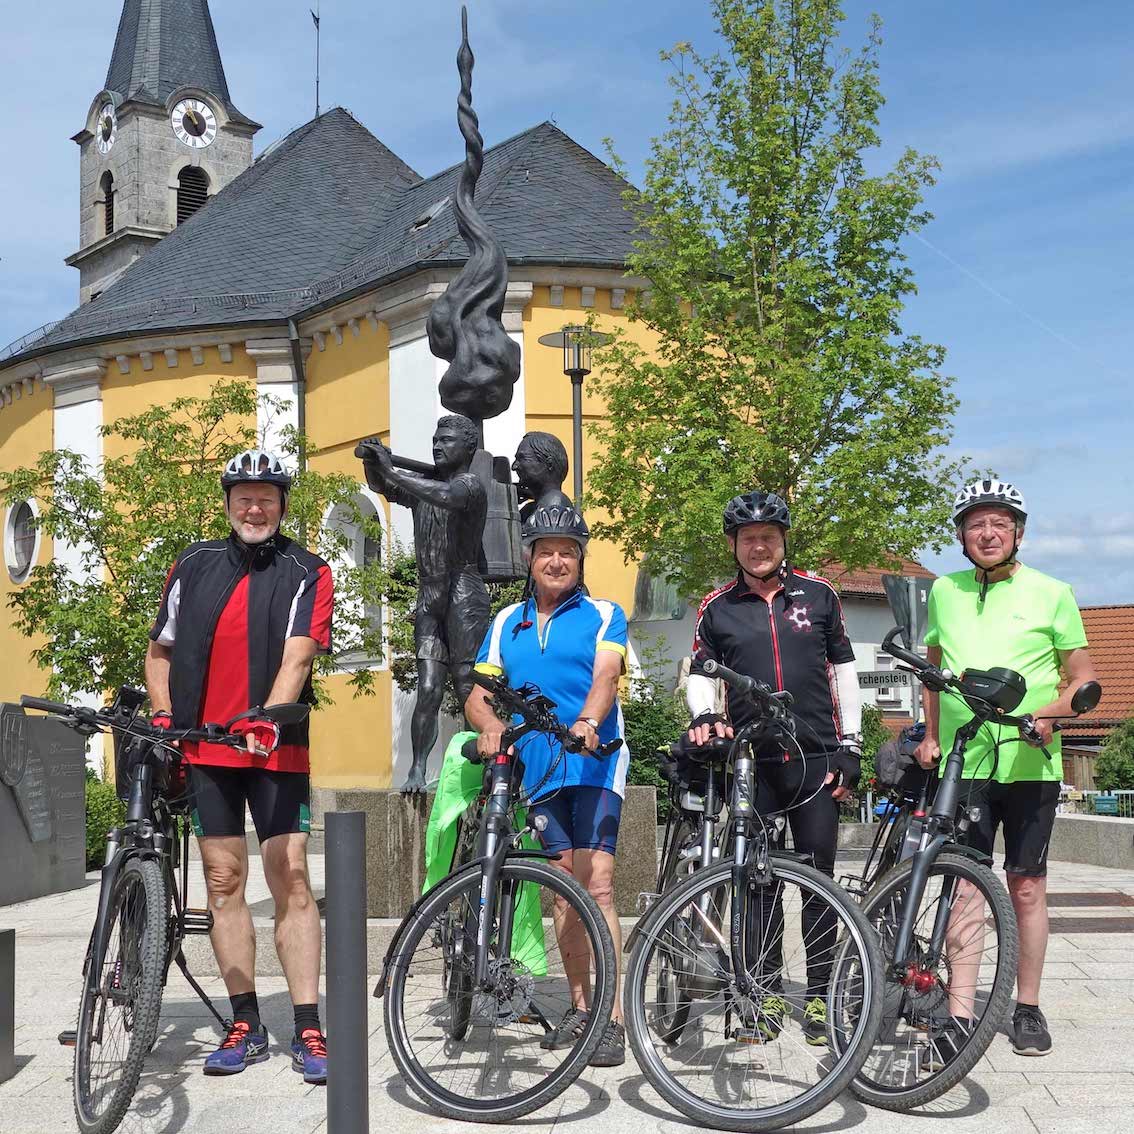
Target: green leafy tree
777	282
1114	765
874	735
129	519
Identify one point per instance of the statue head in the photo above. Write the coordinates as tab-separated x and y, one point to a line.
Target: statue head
540	464
455	440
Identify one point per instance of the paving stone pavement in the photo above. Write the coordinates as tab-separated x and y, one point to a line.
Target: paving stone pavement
1086	1084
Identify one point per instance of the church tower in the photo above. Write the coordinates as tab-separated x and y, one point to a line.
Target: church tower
160	138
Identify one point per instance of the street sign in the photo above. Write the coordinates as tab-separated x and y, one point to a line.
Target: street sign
880	678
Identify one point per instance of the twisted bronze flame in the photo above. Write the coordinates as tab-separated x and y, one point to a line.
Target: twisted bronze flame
464	325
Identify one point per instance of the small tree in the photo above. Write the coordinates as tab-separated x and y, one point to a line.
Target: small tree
1114	765
129	519
778	282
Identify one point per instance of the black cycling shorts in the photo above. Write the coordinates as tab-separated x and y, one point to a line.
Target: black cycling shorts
1027	811
280	802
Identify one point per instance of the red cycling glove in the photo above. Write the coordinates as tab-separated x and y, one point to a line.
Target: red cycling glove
162	719
266	733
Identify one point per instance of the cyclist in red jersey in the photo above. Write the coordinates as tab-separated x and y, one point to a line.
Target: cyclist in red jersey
240	623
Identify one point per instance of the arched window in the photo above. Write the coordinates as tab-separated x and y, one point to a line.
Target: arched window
106	184
358	528
21	540
192	191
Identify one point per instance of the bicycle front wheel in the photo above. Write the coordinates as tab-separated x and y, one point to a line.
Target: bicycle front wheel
503	1050
943	1010
754	1057
118	1015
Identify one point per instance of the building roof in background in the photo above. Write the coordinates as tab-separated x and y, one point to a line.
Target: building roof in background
329	212
1110	632
163	45
866	582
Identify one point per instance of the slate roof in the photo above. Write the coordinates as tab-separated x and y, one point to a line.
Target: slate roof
329	211
162	45
1110	630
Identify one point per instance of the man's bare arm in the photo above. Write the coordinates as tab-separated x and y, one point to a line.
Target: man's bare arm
298	654
158	658
603	691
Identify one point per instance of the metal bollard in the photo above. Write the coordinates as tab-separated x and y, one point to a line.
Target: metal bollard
7	1003
348	1099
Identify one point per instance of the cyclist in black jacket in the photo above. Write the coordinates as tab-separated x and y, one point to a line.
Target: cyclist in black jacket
785	627
240	623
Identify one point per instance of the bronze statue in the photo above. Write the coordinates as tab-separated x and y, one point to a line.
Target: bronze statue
540	467
452	613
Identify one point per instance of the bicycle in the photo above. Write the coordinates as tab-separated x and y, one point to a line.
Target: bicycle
142	917
473	986
946	922
730	948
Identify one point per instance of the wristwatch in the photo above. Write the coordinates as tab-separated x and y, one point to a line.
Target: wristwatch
588	720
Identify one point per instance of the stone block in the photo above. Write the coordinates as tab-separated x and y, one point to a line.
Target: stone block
395	846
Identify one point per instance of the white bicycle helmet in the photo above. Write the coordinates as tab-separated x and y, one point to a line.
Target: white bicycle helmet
989	492
255	466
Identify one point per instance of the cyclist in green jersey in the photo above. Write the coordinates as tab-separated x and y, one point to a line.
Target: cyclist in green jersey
1006	614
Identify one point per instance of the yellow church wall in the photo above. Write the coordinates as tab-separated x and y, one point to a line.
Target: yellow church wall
350	740
25	432
124	395
348	388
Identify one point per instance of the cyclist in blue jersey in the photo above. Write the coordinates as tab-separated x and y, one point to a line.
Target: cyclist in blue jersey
574	648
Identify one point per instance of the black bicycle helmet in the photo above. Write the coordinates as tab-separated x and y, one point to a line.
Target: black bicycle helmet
756	508
255	466
555	520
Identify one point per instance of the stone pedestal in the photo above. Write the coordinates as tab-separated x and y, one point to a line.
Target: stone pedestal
395	846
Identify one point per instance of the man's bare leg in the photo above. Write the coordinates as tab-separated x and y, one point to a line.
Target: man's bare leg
225	862
1029	897
298	935
595	870
572	941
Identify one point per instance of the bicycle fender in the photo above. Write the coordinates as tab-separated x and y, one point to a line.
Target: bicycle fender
110	873
969	852
793	856
399	933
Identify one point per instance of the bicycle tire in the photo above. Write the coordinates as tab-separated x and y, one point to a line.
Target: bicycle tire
456	938
871	1090
857	929
417	929
140	935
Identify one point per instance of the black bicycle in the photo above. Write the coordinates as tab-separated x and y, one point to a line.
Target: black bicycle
945	920
725	964
142	916
488	964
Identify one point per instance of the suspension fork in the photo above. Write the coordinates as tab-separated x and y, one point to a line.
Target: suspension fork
743	811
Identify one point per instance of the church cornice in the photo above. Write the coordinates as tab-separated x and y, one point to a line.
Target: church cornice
143	233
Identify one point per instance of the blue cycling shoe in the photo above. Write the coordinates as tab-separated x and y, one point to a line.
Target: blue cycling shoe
242	1046
309	1055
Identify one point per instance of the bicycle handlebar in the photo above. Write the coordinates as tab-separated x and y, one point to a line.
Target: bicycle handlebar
27	702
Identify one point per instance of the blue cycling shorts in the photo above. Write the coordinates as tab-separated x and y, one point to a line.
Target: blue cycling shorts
580	818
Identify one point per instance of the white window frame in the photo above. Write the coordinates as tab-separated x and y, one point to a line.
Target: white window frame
889	696
16	575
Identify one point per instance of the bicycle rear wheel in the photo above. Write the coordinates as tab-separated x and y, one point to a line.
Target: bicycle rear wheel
746	1062
496	1068
921	1052
118	1015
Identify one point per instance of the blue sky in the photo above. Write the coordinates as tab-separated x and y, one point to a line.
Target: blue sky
1024	274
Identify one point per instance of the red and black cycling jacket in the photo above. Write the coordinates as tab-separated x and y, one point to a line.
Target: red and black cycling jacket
226	612
790	642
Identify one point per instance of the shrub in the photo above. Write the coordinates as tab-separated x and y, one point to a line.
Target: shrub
104	810
1114	766
874	735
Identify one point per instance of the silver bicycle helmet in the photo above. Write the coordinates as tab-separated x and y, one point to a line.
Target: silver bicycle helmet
997	493
255	466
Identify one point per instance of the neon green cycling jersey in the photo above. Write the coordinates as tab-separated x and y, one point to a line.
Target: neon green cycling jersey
1023	624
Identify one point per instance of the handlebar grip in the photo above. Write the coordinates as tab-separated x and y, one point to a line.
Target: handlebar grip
469	751
915	661
46	706
485	681
684	746
609	748
730	677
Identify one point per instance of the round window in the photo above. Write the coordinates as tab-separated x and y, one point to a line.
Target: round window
21	539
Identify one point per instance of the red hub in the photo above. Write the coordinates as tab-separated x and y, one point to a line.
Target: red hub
920	980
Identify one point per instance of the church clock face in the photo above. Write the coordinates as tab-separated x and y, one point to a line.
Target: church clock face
194	123
106	129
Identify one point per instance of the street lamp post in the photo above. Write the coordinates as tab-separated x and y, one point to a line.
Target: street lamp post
576	343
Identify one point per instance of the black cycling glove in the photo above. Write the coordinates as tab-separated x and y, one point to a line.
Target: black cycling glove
847	768
707	718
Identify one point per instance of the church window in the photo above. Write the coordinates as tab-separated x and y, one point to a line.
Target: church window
107	186
192	191
21	541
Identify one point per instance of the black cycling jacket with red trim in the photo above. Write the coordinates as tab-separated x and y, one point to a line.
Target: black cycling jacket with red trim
789	642
285	585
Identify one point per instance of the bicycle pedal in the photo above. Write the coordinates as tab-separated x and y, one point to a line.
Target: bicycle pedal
68	1039
196	921
645	900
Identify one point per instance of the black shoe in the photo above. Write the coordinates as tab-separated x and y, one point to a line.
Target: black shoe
944	1043
1029	1032
568	1032
611	1051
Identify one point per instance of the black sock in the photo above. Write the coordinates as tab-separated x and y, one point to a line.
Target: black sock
1031	1007
246	1007
306	1016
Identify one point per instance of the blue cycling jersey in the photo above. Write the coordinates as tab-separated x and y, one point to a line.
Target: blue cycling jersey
560	660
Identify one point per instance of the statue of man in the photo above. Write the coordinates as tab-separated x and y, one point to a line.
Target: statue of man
540	467
452	612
